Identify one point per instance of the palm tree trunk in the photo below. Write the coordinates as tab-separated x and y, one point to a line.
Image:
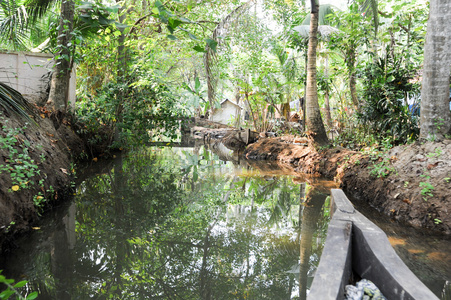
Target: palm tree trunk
59	84
315	124
435	114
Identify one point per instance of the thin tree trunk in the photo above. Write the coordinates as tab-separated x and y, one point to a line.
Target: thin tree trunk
315	124
352	76
326	96
59	84
121	74
435	114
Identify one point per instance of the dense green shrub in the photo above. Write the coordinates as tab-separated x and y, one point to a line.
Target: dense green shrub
137	113
385	110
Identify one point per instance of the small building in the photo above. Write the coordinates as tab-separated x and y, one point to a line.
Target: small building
227	112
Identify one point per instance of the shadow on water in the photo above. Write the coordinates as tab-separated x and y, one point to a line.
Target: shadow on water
178	223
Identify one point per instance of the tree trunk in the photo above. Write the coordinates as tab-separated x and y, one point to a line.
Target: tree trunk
59	84
435	114
121	74
315	124
326	96
352	82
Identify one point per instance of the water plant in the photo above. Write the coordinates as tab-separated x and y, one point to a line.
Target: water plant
12	289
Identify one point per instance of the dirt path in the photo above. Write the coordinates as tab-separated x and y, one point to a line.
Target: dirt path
411	183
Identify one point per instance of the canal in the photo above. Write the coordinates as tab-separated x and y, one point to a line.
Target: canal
184	223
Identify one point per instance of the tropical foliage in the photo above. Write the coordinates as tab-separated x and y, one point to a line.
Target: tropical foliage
252	52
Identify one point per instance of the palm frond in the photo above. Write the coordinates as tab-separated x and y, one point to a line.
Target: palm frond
36	9
13	20
323	30
324	11
369	9
13	102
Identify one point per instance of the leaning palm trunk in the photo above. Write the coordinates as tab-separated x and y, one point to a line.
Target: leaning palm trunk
314	121
59	85
435	114
210	54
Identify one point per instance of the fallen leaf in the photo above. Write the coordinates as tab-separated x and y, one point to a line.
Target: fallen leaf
407	201
42	116
49	134
430	166
64	171
94	159
35	228
15	188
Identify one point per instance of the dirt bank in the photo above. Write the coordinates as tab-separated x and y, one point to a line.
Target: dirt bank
35	163
410	183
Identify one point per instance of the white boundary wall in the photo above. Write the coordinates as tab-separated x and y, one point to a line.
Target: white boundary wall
29	73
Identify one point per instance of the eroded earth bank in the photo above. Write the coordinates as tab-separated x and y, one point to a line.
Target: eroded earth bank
409	183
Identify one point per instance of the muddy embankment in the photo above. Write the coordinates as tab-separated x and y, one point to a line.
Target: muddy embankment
410	183
35	164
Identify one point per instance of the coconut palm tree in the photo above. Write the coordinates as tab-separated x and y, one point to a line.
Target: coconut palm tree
435	92
314	120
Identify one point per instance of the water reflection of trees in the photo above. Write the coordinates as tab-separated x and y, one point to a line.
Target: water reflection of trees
161	225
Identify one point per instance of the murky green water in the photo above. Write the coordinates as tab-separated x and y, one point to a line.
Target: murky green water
162	223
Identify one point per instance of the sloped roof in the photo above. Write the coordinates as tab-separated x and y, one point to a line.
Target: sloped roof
224	101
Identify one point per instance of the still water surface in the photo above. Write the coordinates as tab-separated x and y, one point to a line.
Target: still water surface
178	223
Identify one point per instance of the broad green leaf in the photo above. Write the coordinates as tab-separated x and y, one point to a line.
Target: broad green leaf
20	284
196	84
174	23
212	44
172	37
199	48
32	296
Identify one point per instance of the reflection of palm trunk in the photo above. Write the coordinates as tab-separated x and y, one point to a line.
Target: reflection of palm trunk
119	224
205	291
61	254
312	211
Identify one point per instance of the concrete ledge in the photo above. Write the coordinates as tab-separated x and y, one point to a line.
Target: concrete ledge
367	252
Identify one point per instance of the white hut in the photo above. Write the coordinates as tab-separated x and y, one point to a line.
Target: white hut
227	112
